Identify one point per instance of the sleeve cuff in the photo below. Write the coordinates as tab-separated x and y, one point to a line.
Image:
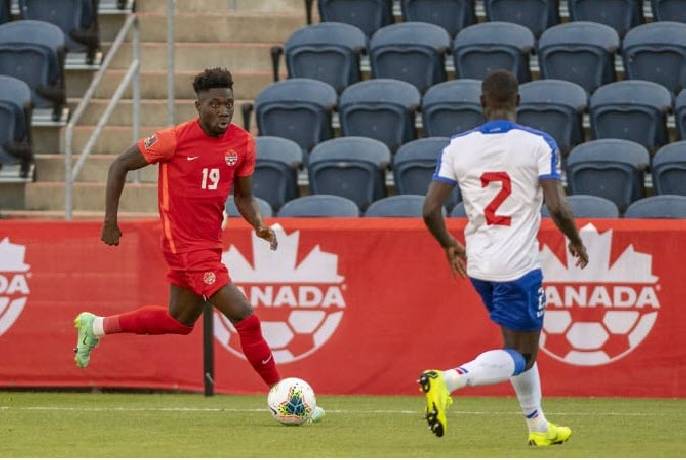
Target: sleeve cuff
549	177
445	180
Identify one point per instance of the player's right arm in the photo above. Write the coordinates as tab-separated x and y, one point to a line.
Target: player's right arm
432	212
130	160
557	204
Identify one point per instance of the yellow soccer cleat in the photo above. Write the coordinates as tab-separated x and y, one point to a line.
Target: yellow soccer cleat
438	399
554	435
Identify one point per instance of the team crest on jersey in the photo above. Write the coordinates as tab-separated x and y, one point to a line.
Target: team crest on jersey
231	158
209	278
150	141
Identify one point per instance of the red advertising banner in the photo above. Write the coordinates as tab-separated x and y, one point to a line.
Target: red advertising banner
354	306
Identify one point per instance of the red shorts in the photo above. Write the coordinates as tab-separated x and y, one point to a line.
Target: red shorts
201	271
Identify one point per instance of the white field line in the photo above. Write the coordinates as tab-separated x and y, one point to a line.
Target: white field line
330	411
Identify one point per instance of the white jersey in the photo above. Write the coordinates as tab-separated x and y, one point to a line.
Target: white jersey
498	166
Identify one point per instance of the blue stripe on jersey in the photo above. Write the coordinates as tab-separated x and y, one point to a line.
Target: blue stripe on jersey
445	180
435	175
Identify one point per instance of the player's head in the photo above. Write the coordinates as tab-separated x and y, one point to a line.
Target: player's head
214	90
500	95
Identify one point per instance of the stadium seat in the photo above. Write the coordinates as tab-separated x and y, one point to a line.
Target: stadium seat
15	127
608	168
579	52
680	113
33	52
412	51
458	211
669	169
275	179
351	167
536	15
632	110
78	19
556	107
621	15
320	206
668	10
488	46
588	206
658	207
328	52
657	52
5	15
452	107
397	206
381	109
452	15
414	164
232	211
299	109
366	15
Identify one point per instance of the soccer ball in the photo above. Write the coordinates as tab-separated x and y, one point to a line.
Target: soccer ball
291	401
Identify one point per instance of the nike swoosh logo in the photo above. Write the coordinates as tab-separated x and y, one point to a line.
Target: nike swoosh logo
192	158
265	361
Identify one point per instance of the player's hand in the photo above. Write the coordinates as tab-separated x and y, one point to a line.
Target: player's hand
111	234
267	234
456	255
578	250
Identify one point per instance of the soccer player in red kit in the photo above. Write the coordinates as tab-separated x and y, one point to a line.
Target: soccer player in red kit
200	161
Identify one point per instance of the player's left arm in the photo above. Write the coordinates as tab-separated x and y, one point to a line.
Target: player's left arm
249	209
438	193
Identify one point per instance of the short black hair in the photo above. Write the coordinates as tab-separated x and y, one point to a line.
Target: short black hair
216	77
500	87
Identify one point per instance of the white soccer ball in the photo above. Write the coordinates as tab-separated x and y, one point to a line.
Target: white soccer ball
291	401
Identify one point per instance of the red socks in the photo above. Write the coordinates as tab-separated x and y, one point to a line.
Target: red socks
150	319
256	349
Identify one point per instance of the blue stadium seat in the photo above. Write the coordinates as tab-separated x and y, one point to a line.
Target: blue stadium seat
579	52
351	167
536	15
621	15
589	206
328	52
412	51
668	10
320	206
299	109
452	107
488	46
458	211
658	207
5	15
381	109
75	17
275	179
556	107
15	129
669	169
680	113
232	211
633	110
397	206
608	168
657	52
414	164
366	15
452	15
33	52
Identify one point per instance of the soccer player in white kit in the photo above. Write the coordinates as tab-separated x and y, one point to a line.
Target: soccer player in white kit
504	170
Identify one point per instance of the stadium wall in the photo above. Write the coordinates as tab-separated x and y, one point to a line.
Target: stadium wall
356	306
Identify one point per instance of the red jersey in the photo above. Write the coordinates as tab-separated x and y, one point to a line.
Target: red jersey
196	174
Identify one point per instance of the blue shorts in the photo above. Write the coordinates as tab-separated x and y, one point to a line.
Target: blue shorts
518	304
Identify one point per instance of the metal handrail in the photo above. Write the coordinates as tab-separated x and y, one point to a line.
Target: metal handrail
132	74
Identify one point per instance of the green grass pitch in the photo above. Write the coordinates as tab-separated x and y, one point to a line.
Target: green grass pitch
184	425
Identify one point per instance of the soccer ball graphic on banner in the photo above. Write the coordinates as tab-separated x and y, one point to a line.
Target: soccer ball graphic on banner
601	314
291	401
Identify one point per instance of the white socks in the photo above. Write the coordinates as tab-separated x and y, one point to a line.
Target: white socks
527	385
488	368
98	326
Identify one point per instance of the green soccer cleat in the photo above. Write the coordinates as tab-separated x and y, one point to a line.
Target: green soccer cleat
438	399
85	340
317	414
554	435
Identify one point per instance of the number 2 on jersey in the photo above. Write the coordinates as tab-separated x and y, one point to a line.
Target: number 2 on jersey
210	178
505	191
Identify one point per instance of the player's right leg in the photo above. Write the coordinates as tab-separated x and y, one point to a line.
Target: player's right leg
184	309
